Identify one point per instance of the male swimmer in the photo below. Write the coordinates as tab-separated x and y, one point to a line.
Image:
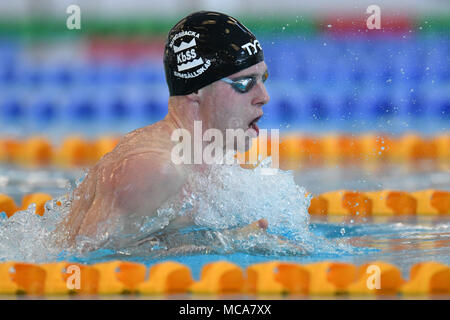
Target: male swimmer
215	72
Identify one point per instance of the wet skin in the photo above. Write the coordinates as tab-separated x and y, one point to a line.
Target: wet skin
138	176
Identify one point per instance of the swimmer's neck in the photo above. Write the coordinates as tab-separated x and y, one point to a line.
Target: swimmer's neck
183	112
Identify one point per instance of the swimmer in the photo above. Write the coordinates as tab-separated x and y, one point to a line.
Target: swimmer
215	72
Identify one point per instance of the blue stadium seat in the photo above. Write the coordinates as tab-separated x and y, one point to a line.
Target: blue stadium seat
12	109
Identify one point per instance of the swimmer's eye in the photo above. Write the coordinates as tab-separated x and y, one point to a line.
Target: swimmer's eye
244	85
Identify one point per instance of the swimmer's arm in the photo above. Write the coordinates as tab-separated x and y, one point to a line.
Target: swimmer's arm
145	183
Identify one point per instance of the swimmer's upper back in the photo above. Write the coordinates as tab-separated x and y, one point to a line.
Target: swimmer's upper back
136	177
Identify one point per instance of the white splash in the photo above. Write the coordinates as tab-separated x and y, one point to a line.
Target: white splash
29	237
217	201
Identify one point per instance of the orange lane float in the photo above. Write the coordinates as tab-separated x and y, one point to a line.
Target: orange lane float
379	278
74	152
432	202
342	149
295	150
102	146
7	205
261	279
57	278
88	281
334	203
39	199
269	278
70	278
381	203
329	278
290	150
428	278
36	151
118	277
167	278
391	202
220	277
10	149
345	202
318	206
21	278
294	277
277	278
311	151
411	147
442	143
375	147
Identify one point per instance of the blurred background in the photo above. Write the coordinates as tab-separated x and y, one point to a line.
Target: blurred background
331	79
328	71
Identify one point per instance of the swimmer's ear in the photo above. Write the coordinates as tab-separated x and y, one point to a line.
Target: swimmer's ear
194	96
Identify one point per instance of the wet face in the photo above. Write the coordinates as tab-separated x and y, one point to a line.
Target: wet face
226	108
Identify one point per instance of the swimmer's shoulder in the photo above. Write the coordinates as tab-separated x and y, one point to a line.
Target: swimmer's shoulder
146	181
153	138
147	152
148	148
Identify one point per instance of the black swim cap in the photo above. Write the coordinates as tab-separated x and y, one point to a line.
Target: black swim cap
207	46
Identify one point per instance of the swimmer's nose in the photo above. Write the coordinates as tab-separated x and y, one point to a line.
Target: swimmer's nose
261	96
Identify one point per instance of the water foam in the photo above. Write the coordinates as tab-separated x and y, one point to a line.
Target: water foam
217	201
223	199
29	237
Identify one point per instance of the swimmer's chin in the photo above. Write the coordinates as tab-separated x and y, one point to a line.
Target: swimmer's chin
244	147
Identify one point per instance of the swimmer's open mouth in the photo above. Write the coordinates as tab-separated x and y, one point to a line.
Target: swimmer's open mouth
254	126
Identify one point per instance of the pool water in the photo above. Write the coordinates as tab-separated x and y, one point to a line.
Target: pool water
402	241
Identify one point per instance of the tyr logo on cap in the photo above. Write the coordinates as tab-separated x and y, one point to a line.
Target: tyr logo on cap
206	46
187	57
252	47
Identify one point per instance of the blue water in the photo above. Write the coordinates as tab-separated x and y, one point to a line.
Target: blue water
401	241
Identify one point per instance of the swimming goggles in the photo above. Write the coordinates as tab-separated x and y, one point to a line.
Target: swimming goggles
245	84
